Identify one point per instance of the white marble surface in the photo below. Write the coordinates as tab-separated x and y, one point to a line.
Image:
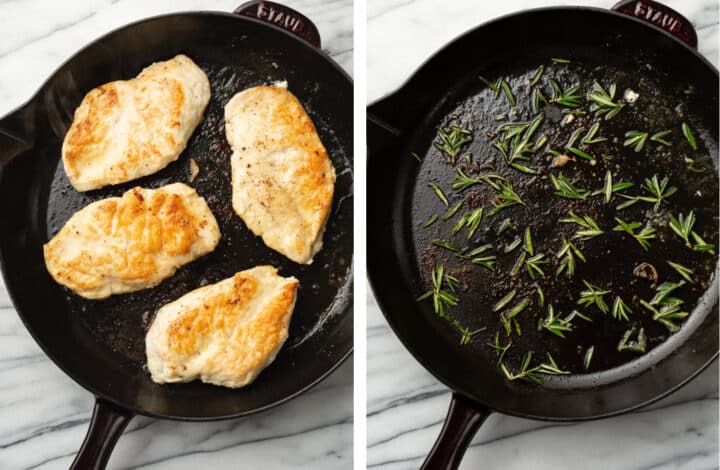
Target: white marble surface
43	414
406	405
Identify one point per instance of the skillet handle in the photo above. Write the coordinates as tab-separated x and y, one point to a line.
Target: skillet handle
462	422
283	17
106	425
661	16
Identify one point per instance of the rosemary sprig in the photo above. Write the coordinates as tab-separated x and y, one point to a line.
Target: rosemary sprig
452	142
609	188
467	335
593	295
507	197
635	139
452	211
485	261
526	373
568	98
508	319
536	78
683	271
539	100
500	351
691	165
463	181
702	245
439	193
442	299
602	101
659	190
643	237
659	137
663	294
555	324
505	300
639	345
489	84
620	309
588	357
430	221
667	314
473	221
590	136
683	226
567	189
568	252
591	228
447	245
551	368
689	136
532	265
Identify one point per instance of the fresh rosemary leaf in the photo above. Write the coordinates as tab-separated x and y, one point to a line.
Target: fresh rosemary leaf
590	136
430	221
660	138
630	201
568	98
526	373
638	345
517	309
667	314
580	153
489	84
574	136
473	221
487	262
588	357
593	295
512	246
602	101
505	300
683	271
558	60
635	139
689	135
446	245
539	100
620	310
528	242
540	295
503	226
663	293
507	197
477	251
508	92
416	156
467	335
451	142
555	324
439	193
568	252
701	245
659	190
551	368
452	211
518	264
442	299
567	189
538	74
463	181
499	350
524	169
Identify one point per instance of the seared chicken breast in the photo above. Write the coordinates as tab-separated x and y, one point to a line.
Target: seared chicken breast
282	178
124	244
123	130
225	333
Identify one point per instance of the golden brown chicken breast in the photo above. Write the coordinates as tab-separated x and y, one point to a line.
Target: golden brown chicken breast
282	178
127	129
124	244
225	333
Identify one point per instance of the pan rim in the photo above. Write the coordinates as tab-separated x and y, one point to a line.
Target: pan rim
375	287
5	275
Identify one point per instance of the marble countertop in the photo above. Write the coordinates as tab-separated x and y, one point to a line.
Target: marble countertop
406	405
43	413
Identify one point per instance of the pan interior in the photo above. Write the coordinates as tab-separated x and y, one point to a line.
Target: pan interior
109	335
449	92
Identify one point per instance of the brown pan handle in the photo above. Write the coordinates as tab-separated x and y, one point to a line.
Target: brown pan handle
106	425
462	422
661	16
284	17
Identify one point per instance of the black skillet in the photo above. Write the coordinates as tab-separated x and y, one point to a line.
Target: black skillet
100	344
407	121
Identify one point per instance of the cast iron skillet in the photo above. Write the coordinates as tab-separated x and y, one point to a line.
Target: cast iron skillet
100	344
395	122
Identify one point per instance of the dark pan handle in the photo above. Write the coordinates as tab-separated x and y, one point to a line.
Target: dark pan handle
462	422
661	16
106	425
283	17
15	129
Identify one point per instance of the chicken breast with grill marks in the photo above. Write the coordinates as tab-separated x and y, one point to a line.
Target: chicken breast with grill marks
125	244
282	178
225	333
123	130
